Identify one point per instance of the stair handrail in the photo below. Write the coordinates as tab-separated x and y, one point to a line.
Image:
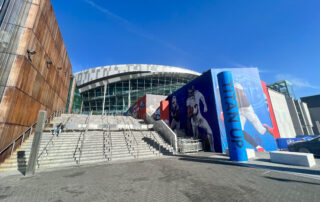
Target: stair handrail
110	142
129	144
104	138
107	131
110	138
30	129
84	135
134	138
79	148
127	131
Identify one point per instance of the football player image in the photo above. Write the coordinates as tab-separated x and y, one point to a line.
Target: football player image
246	112
197	120
175	123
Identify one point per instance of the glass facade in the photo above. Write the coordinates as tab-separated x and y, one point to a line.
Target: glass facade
77	100
284	87
119	96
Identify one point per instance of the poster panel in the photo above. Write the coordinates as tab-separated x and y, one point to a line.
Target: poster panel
138	109
193	112
153	105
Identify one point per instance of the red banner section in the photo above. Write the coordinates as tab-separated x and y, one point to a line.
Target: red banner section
276	133
164	111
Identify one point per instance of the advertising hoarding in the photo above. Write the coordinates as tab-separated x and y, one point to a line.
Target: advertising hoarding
193	112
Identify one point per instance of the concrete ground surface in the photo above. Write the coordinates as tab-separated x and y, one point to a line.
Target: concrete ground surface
200	177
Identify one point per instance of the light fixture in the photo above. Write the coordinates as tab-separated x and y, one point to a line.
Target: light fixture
49	63
30	52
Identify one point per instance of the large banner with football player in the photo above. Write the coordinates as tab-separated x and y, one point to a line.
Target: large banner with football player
253	109
193	112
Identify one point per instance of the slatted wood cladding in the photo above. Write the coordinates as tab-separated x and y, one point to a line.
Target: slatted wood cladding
35	85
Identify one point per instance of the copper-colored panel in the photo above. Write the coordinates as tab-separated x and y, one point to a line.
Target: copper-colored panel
24	40
5	105
32	16
15	70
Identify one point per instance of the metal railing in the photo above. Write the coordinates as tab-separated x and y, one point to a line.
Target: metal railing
109	149
79	148
132	141
26	134
107	141
189	145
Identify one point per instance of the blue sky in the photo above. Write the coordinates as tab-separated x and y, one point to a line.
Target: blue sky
280	37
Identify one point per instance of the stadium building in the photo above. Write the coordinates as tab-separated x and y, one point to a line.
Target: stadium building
113	89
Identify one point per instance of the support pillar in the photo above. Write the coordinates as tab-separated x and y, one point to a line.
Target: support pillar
129	95
104	97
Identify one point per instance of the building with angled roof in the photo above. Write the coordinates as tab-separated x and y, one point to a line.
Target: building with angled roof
113	89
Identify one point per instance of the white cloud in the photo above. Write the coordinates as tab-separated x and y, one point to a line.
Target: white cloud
296	81
237	65
134	29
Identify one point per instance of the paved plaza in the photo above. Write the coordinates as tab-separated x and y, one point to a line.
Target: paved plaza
179	178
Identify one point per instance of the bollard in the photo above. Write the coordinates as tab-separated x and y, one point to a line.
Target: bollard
42	116
236	144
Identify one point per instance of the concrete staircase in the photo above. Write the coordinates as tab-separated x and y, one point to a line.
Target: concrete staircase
128	139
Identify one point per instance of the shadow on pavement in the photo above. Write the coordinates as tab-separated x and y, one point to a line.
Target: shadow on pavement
155	145
289	180
224	161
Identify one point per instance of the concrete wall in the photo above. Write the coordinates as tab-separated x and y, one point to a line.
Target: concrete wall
294	116
307	118
282	114
29	86
313	103
315	116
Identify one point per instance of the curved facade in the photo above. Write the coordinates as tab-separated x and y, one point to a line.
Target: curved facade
113	89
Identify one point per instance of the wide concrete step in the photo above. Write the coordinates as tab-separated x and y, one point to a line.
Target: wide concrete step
56	161
121	158
57	165
56	158
119	152
54	141
118	156
92	161
117	147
